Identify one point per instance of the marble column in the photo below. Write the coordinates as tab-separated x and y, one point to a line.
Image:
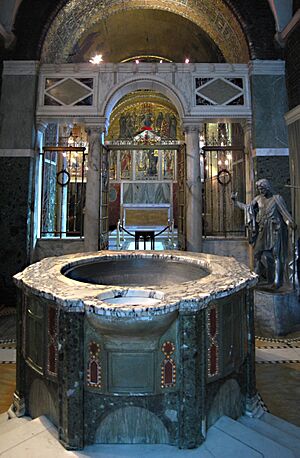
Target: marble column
193	189
93	191
249	175
36	220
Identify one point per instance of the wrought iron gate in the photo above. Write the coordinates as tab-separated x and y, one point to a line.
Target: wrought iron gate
224	173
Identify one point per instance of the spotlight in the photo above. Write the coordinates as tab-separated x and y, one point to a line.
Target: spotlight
137	61
187	61
96	59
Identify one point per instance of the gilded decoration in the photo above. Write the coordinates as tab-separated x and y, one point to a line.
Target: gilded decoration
144	111
77	17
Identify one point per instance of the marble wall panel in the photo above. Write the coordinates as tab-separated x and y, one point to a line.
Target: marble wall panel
15	218
146	193
276	169
269	104
17	111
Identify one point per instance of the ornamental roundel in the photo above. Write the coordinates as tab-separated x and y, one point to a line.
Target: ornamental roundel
168	348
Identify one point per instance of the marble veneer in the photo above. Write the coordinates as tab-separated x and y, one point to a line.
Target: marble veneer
156	356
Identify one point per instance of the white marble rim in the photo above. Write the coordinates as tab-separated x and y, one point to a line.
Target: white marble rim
46	279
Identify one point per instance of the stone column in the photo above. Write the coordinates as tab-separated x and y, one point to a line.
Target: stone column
193	189
249	175
17	143
253	407
36	189
193	374
70	380
92	199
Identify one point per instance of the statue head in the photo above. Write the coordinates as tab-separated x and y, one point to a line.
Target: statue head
264	186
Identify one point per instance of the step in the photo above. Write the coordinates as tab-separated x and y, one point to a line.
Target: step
221	444
268	447
272	432
3	417
27	431
12	424
281	424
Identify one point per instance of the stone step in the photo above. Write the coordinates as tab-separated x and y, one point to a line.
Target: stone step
12	424
25	432
281	424
3	417
256	441
272	432
220	444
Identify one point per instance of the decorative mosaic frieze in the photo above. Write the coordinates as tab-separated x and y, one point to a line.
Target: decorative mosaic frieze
168	366
52	348
93	376
213	344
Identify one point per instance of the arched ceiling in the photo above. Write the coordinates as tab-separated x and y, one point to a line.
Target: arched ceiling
145	32
212	30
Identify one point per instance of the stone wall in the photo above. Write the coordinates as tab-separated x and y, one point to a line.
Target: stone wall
276	169
292	53
17	137
14	222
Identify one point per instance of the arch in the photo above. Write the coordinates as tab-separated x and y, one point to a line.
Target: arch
215	18
131	425
142	82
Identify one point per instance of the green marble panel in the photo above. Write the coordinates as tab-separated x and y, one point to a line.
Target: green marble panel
269	104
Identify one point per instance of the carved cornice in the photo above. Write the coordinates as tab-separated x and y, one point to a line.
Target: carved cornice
20	67
266	67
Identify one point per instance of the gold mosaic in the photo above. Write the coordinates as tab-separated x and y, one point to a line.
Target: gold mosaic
212	16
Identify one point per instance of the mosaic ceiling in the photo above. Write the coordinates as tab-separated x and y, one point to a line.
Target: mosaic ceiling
78	19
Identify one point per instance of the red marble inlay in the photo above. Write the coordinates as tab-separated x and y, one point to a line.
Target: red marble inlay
168	348
94	348
52	321
213	359
168	373
52	358
213	322
93	372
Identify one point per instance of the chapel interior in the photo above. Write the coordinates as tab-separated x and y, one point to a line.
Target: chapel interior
130	312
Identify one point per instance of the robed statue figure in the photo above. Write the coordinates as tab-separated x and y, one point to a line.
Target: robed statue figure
268	220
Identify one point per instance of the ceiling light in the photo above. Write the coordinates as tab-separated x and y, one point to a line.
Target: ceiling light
187	61
96	59
137	61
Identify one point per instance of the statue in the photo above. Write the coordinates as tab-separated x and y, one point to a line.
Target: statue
268	220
